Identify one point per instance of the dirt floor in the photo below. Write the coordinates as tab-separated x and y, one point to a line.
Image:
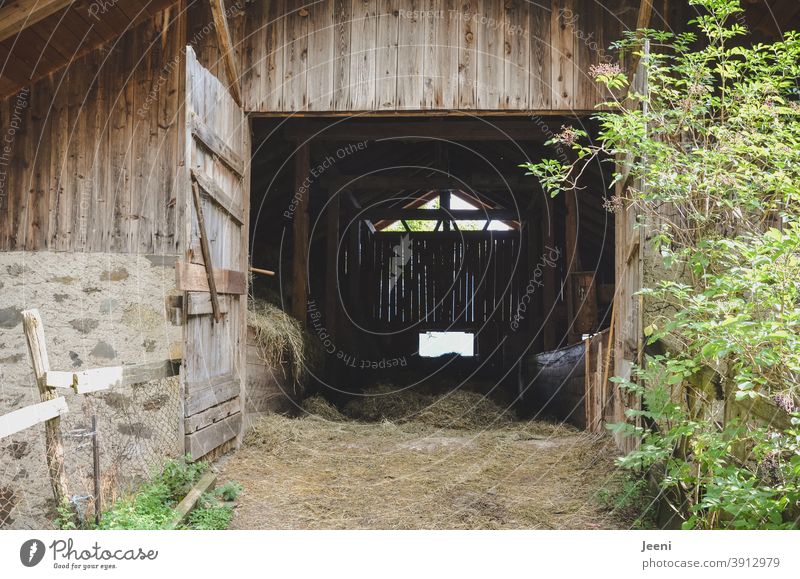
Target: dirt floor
328	471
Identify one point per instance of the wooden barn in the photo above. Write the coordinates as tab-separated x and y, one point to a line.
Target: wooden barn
157	155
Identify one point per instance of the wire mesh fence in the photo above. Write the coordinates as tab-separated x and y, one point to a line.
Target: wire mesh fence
133	428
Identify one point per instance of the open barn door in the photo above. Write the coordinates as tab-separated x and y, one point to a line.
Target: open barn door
213	275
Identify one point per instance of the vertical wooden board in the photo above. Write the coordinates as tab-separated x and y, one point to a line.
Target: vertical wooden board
516	27
171	109
321	29
252	43
341	64
24	147
587	47
541	57
386	54
88	165
271	57
431	72
38	215
467	56
563	46
410	52
295	60
491	57
362	58
122	154
152	208
137	193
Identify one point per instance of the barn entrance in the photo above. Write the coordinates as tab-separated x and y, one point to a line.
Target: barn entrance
416	251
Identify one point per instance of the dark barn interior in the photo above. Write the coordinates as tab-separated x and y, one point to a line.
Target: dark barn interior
430	225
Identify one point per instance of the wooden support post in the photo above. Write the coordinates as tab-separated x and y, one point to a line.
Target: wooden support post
300	234
548	279
332	270
572	259
444	205
204	247
54	448
226	46
96	471
534	249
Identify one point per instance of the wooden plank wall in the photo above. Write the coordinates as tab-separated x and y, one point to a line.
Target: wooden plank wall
94	149
443	280
418	55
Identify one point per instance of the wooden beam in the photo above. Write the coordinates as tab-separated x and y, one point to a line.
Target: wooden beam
200	443
54	448
206	250
548	278
433	184
216	144
199	304
96	379
332	270
572	258
17	15
191	277
214	192
226	46
190	500
458	130
300	233
32	415
391	214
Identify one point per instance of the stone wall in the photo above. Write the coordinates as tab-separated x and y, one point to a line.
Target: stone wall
98	310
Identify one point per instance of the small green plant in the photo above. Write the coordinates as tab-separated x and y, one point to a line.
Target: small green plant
209	515
66	516
629	496
229	491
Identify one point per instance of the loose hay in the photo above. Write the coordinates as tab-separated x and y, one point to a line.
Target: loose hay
332	473
318	406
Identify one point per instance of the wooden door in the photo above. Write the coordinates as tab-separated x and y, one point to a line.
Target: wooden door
212	276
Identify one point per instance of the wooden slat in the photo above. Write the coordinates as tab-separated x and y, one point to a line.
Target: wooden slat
211	415
215	193
410	56
320	56
200	443
362	58
300	235
32	415
541	55
95	379
295	61
562	34
216	145
191	277
386	54
199	304
55	379
204	395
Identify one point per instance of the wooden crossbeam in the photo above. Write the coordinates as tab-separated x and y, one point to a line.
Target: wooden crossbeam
214	192
372	183
32	415
17	15
216	144
392	214
226	46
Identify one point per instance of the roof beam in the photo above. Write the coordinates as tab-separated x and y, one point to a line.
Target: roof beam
17	15
226	46
396	183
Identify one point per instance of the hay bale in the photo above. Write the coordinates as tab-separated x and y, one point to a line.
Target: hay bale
280	339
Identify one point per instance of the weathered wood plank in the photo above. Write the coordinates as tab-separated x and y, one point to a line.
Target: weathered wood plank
34	336
272	56
199	304
362	58
190	500
300	234
192	277
295	59
208	262
200	443
562	33
32	415
516	76
467	57
341	55
215	193
410	54
321	28
216	144
386	54
203	395
211	415
491	58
